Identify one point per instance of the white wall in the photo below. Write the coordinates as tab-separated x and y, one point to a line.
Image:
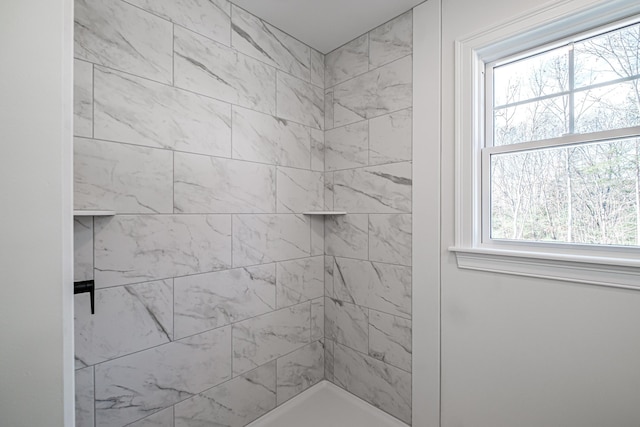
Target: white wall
522	351
36	371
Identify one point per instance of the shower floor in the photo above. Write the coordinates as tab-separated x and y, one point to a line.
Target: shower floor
326	405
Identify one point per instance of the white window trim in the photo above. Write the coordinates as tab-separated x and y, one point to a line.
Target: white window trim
609	267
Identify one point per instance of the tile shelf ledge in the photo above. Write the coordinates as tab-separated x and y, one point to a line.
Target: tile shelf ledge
94	212
324	213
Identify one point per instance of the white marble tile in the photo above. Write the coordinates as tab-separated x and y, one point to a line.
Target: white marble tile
131	249
374	189
82	248
300	280
121	36
328	191
328	109
234	403
390	238
260	239
125	178
127	319
347	324
211	300
163	418
210	18
328	276
82	98
382	287
138	111
212	69
263	338
267	139
258	39
204	184
392	40
390	137
300	101
317	235
317	319
347	146
347	236
300	370
328	359
382	385
84	397
380	91
300	190
317	150
135	386
317	68
347	61
390	339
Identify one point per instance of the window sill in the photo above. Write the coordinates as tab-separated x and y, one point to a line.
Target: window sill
594	270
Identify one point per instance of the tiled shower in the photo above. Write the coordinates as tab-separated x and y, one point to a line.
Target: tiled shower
209	132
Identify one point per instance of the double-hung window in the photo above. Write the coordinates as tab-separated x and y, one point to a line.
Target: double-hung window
548	149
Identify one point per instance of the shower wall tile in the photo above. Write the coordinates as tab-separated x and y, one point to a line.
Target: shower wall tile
347	147
317	150
328	276
267	139
204	184
317	68
390	138
299	370
328	109
390	238
382	287
260	239
269	336
209	68
125	178
131	249
137	111
347	61
300	190
82	248
329	360
317	234
390	339
300	101
317	319
347	324
163	418
82	98
384	386
234	403
380	91
328	191
132	387
375	189
347	236
210	18
84	397
121	36
300	280
127	319
260	40
392	40
211	300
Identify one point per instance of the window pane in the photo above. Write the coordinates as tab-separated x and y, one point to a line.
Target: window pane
608	107
608	57
532	121
540	75
584	194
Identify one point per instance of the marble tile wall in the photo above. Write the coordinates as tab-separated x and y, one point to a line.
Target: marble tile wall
367	266
203	128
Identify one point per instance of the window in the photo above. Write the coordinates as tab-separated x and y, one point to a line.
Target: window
548	145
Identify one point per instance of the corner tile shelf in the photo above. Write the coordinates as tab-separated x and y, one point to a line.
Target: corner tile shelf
93	213
324	213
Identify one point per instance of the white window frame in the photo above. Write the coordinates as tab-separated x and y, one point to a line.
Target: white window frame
592	264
